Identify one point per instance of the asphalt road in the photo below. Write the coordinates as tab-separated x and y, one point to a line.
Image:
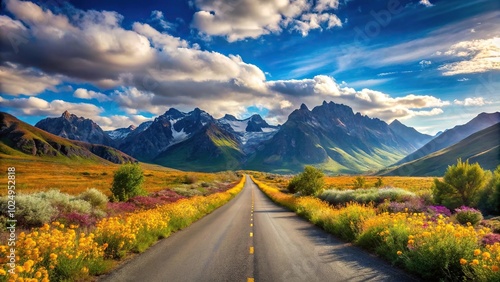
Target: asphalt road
253	239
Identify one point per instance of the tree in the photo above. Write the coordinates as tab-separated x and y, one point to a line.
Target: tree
489	202
359	182
379	182
461	185
309	182
127	182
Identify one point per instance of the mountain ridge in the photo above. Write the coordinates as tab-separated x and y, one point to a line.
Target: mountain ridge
482	146
453	136
20	138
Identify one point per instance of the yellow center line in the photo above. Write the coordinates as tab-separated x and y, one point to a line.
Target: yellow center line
250	280
251	224
251	250
251	234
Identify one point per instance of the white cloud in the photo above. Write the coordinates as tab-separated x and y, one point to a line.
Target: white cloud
311	21
322	5
426	3
474	101
478	56
425	63
34	106
463	79
15	80
241	19
118	121
93	47
157	16
89	94
133	100
367	101
387	73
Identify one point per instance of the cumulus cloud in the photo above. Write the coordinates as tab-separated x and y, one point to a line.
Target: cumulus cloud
241	19
89	94
118	121
34	106
474	101
151	71
15	80
367	101
93	47
477	56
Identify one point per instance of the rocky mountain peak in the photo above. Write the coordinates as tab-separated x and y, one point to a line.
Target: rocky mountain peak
66	115
229	117
173	113
75	128
304	107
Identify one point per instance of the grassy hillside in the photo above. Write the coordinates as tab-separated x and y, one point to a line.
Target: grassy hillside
482	147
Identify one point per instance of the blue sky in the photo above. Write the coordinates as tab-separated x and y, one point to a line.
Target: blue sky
431	64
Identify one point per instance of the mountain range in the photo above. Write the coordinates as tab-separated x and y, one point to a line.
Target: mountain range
330	136
20	139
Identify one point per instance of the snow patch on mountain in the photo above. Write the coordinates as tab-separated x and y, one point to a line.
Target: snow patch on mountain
120	133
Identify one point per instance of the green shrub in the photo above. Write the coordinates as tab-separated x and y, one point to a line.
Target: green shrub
309	182
64	202
379	182
127	182
466	215
376	195
79	206
95	197
461	185
55	198
189	179
30	210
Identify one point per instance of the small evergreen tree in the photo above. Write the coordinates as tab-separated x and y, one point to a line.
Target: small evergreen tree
379	182
309	182
127	182
461	185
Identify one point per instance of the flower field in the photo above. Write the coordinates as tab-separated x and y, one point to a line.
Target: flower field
56	252
429	245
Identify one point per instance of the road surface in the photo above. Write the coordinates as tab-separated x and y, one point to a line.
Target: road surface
252	239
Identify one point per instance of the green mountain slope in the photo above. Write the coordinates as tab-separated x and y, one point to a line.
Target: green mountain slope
20	139
211	149
482	147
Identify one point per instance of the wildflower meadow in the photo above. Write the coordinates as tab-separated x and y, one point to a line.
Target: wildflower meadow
427	244
62	252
